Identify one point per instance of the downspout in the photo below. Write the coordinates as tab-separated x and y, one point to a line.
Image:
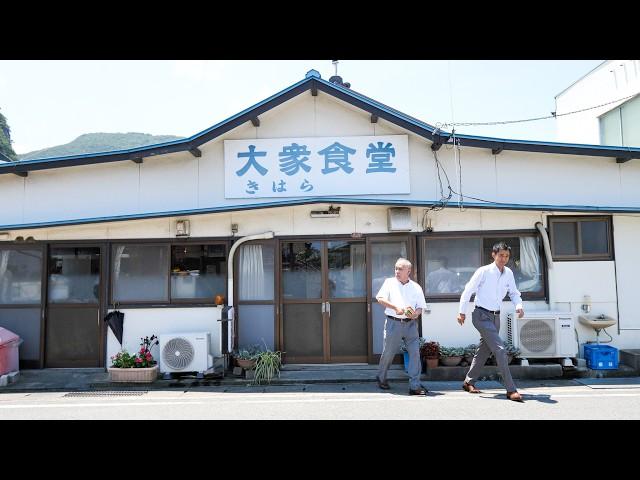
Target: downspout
547	253
231	310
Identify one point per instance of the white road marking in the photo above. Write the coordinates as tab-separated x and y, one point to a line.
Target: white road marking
76	405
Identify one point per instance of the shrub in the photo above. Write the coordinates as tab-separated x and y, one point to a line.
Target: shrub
430	350
267	366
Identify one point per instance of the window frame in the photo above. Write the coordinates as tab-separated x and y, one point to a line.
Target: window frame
199	300
581	257
43	273
543	295
181	302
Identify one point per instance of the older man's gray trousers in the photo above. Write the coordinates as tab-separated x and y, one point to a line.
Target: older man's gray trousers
394	332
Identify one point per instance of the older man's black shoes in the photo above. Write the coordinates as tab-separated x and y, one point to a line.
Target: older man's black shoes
418	391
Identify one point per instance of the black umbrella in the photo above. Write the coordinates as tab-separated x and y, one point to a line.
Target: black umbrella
115	320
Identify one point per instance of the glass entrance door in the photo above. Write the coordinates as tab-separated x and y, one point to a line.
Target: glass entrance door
324	301
73	326
383	253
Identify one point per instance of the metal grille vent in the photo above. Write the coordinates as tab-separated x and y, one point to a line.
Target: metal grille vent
106	394
178	353
536	336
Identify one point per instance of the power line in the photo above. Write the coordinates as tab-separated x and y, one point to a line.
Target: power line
553	115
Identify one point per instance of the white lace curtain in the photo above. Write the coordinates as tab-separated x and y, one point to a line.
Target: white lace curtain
4	278
529	264
252	278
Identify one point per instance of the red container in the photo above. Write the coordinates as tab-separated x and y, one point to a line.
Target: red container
9	343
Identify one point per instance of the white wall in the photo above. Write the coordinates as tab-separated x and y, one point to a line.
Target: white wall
610	81
142	322
180	181
626	230
569	282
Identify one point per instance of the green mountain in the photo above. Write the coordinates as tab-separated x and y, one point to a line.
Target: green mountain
99	142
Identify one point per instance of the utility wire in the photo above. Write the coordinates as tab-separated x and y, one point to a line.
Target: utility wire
553	115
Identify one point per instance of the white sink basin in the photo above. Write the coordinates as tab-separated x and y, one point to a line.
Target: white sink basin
597	321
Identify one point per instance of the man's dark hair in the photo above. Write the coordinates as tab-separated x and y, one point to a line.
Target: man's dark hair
501	246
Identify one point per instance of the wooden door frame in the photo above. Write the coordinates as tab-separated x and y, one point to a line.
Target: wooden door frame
326	357
412	254
102	294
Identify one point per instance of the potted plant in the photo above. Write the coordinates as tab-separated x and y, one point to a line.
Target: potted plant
469	352
268	365
138	368
430	351
512	351
451	356
246	357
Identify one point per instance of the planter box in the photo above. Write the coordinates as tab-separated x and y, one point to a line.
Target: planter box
451	361
246	364
133	375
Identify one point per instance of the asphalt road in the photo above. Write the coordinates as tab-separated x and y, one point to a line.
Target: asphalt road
614	400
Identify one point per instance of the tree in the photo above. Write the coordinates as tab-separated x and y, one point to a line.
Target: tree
5	140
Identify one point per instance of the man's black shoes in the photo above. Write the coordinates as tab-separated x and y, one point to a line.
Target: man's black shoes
382	385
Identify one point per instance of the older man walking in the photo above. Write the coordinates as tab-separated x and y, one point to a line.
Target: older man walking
403	300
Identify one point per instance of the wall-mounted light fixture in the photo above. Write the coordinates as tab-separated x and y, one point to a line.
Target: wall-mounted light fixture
182	228
234	228
586	306
332	212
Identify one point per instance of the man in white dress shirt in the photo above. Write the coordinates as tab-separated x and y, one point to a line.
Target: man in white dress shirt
490	284
403	300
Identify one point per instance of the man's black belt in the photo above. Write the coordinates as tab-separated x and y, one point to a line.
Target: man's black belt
402	320
495	312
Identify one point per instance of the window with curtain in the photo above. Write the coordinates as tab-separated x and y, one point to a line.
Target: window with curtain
20	276
256	293
525	261
449	262
255	275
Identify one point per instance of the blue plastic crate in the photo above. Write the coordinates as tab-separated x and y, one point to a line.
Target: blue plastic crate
601	357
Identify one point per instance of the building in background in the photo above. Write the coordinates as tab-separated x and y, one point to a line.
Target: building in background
616	123
293	212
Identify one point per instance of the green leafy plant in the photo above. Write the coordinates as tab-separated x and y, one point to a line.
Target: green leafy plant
268	365
248	353
123	359
141	359
470	350
451	351
511	349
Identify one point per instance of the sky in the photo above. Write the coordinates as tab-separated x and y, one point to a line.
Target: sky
52	102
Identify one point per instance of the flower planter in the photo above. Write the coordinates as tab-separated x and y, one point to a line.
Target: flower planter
133	375
246	364
451	361
432	362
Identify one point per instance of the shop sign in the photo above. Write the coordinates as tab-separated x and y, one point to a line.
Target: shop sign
316	166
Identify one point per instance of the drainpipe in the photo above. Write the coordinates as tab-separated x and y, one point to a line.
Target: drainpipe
547	253
230	311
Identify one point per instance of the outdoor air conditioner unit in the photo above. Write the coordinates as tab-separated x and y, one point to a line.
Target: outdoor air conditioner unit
543	335
185	352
